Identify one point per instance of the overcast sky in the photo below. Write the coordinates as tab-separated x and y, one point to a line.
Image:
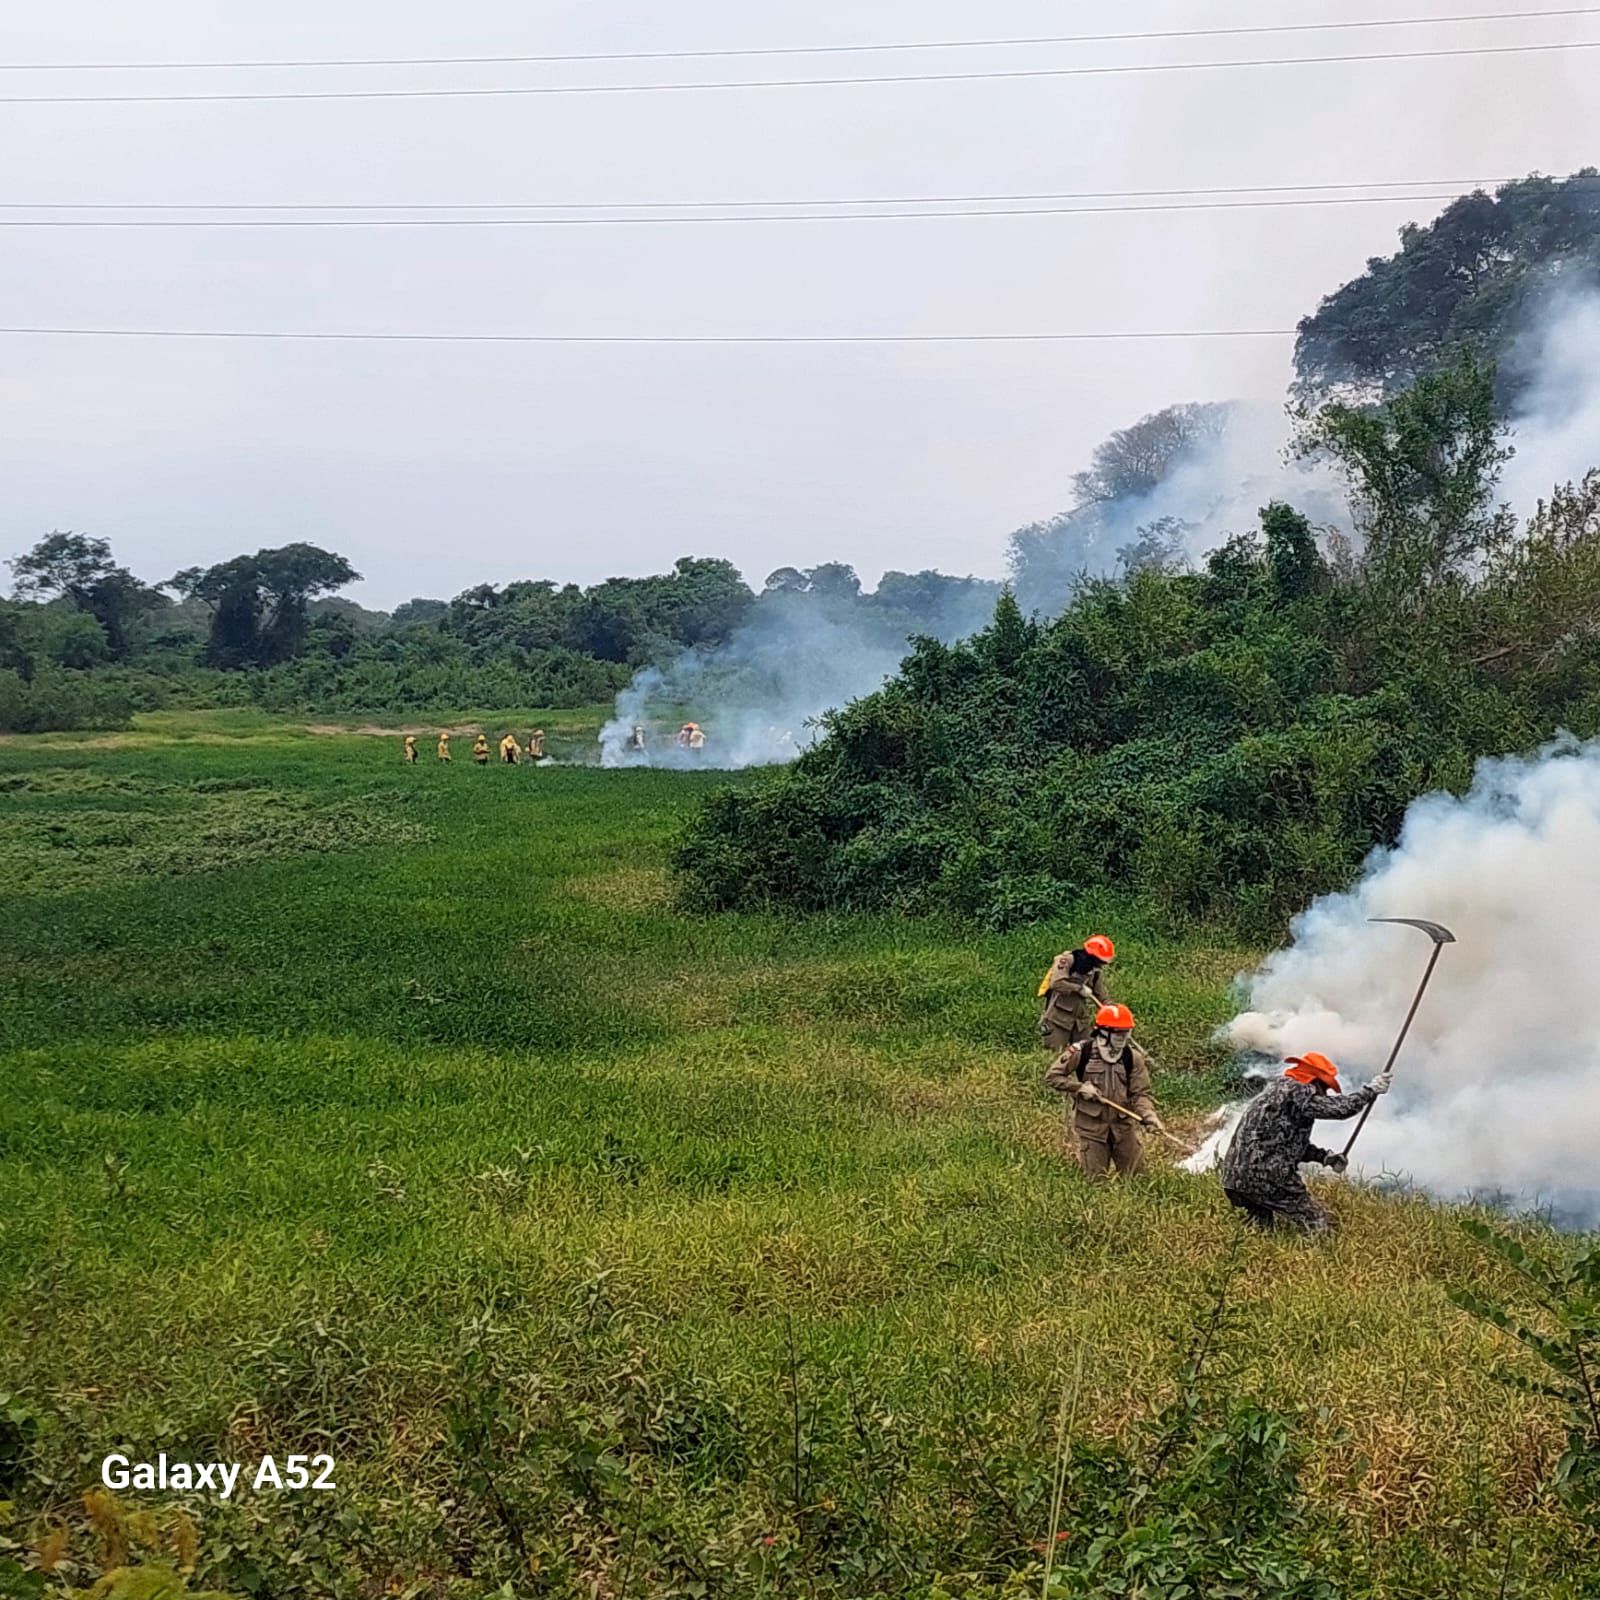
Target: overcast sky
436	467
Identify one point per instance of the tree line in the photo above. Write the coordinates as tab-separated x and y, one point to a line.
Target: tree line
84	642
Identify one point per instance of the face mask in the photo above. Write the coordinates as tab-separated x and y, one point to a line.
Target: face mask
1113	1044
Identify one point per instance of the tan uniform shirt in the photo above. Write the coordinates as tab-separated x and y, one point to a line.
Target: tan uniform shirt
1125	1081
1069	1011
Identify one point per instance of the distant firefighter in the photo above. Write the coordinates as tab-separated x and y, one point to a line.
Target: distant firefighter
480	750
443	752
411	749
510	750
636	738
697	738
683	735
536	745
1073	990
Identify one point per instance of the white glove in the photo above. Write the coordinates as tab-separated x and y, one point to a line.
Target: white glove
1087	1091
1380	1084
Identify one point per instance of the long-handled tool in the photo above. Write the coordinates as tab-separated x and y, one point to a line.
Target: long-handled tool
1441	936
1133	1116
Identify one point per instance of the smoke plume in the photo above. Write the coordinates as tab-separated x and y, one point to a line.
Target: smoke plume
1497	1092
1173	506
1555	426
758	696
1218	488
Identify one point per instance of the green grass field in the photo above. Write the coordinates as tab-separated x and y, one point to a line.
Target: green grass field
395	1113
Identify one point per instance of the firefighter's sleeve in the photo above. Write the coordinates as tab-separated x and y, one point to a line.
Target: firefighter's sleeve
1062	1073
1336	1107
1140	1100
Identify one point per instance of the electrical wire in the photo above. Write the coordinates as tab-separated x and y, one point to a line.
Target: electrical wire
1452	185
810	49
524	91
1083	336
686	221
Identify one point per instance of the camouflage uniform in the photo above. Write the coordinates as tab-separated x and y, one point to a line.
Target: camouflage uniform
1105	1137
1072	997
1261	1170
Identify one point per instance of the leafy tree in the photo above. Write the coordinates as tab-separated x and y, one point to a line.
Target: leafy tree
37	637
1296	564
1048	559
1463	282
417	610
1136	460
935	603
785	580
833	580
80	570
258	603
1422	470
705	600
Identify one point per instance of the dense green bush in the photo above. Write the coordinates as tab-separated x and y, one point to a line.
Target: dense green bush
54	699
1227	742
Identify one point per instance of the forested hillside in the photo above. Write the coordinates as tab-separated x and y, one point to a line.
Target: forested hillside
1470	280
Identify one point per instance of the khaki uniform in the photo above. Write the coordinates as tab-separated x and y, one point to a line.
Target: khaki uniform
1105	1138
444	747
411	749
510	750
1070	1003
480	750
536	746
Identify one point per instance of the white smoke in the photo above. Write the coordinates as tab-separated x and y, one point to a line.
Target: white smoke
1497	1091
1219	487
1555	429
1214	490
758	696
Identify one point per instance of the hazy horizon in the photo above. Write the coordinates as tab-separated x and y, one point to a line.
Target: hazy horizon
436	467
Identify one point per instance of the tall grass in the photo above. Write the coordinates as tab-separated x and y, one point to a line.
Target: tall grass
612	1251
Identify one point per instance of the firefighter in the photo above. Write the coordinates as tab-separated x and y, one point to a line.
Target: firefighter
510	750
536	745
480	750
1073	990
443	752
411	749
1107	1080
1261	1170
636	738
697	738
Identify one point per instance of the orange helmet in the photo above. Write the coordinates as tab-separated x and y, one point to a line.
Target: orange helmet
1100	947
1118	1018
1313	1067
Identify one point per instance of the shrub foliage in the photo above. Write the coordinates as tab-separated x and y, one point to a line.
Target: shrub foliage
1226	742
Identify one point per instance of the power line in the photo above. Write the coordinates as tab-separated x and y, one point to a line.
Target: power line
1452	185
795	83
1085	336
685	221
809	49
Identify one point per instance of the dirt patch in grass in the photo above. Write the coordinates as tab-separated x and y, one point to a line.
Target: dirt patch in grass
625	889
